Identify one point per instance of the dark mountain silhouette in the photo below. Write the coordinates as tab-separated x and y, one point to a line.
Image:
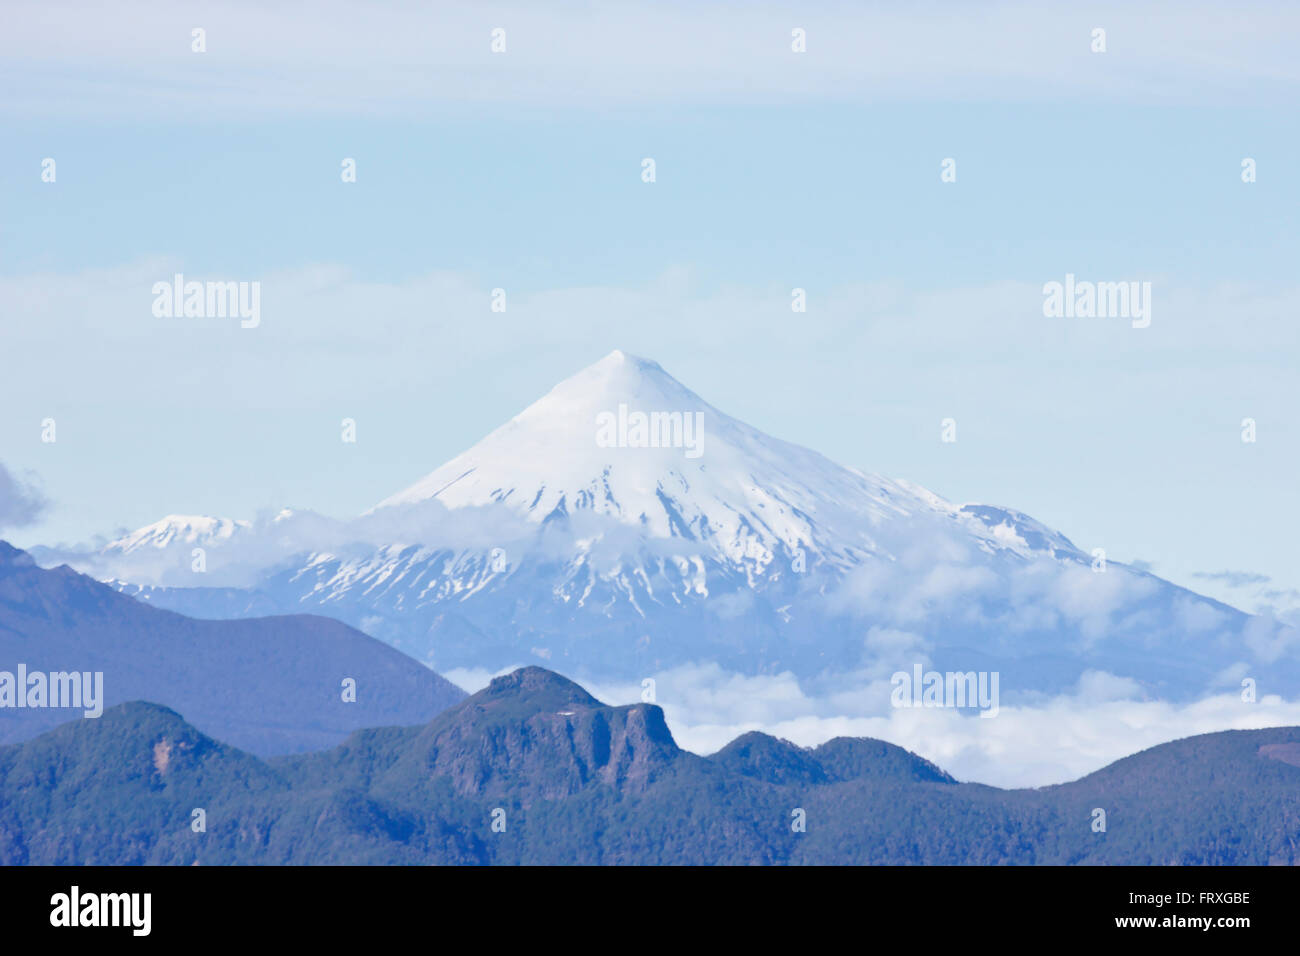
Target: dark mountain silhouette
570	780
269	685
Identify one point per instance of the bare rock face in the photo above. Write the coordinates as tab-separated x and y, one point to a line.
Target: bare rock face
572	781
1287	753
535	727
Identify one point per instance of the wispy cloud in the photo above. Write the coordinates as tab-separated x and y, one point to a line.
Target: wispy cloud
346	56
1233	579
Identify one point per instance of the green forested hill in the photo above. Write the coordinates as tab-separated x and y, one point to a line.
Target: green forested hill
574	781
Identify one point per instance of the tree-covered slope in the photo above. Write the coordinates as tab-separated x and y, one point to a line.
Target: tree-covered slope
534	770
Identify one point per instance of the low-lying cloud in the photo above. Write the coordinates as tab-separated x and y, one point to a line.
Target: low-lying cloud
1029	744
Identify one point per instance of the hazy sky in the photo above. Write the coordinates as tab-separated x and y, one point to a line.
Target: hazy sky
774	170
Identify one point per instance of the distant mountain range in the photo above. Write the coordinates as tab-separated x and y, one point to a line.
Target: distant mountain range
621	525
270	685
534	770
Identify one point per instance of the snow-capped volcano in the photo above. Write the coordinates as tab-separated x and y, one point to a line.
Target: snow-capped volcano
624	439
621	525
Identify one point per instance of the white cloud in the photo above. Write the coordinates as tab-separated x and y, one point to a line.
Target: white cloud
326	313
1025	745
1270	639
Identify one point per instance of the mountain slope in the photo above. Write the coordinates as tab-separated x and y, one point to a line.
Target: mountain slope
582	535
569	780
191	530
738	495
270	685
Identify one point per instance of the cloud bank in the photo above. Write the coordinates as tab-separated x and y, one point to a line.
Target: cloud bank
1032	744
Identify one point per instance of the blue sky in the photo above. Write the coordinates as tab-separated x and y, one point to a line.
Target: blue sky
774	170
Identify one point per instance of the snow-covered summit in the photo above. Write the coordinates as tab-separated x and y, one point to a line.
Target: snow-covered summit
624	439
623	525
177	529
